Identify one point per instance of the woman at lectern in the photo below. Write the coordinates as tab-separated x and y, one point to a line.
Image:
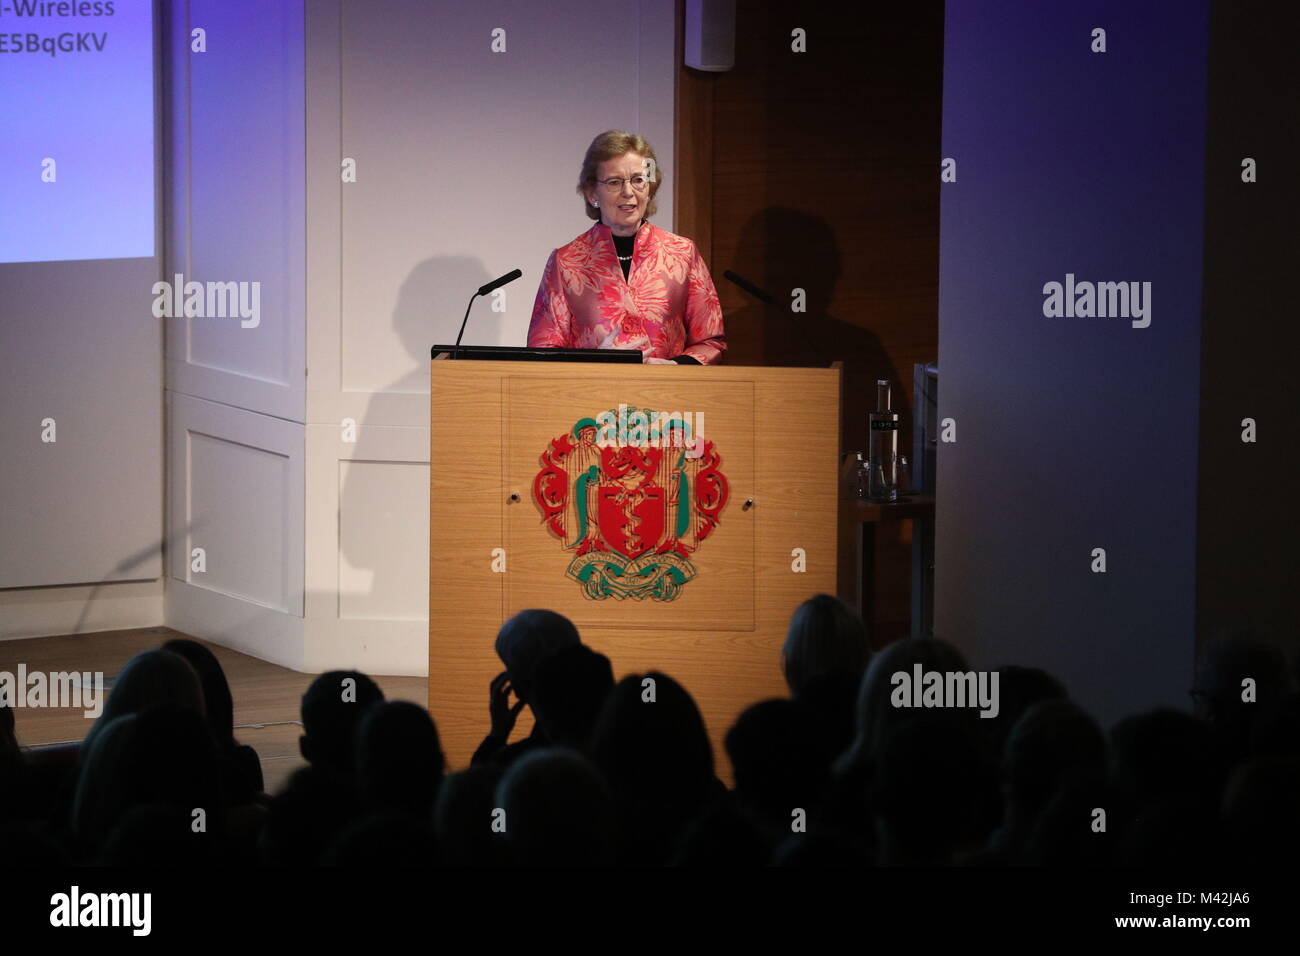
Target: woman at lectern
625	283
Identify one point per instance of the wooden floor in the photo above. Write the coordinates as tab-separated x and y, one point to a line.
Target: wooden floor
266	696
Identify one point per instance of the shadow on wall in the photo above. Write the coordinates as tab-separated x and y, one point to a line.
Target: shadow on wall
430	305
782	249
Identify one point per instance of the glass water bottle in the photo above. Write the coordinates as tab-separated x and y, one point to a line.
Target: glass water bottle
882	448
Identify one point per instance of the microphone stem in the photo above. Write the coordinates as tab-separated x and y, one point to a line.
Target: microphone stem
455	352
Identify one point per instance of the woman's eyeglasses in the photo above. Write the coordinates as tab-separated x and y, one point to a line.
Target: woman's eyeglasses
616	184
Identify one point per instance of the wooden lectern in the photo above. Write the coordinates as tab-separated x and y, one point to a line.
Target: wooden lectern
594	491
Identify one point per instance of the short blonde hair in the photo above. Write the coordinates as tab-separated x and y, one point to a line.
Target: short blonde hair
612	144
827	641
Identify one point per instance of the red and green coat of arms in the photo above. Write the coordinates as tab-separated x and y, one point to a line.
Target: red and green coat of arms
631	509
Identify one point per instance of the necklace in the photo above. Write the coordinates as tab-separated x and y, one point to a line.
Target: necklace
633	236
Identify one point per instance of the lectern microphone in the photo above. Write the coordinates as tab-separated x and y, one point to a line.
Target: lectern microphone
498	283
482	290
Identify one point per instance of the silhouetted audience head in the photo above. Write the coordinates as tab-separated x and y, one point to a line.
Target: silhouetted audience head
11	756
1167	774
219	705
306	817
830	706
1277	730
241	770
1054	743
1075	828
1054	748
173	761
159	756
1261	809
651	735
777	766
926	790
9	750
156	678
875	715
652	747
1238	678
332	709
100	798
1019	688
527	639
826	641
1165	753
557	811
463	819
569	689
399	760
12	767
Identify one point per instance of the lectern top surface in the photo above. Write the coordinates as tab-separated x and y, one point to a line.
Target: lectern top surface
517	353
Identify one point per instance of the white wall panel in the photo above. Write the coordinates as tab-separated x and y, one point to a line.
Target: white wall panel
236	491
238	162
367	549
383	540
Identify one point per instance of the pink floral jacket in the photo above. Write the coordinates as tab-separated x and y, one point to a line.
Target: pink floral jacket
666	307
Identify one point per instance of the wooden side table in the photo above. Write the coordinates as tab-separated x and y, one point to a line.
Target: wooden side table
858	520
